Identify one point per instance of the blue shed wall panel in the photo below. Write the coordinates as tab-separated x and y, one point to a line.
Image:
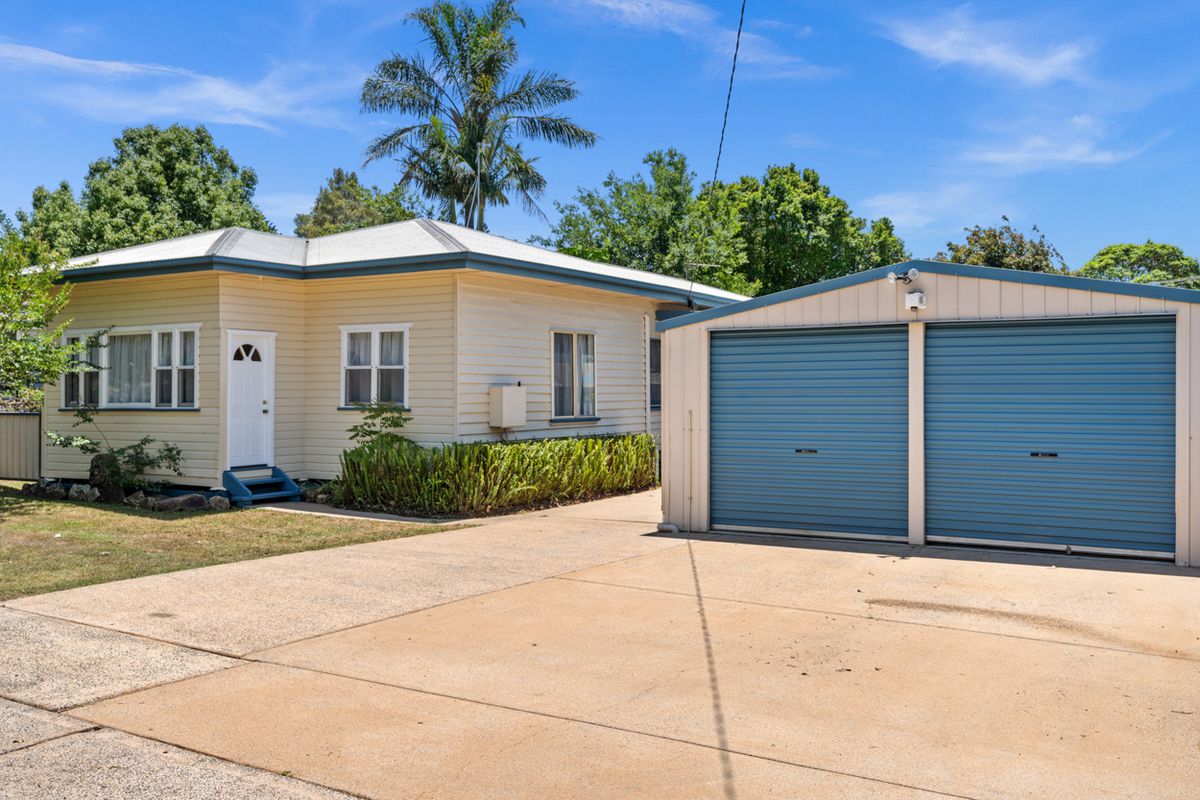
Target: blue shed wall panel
1098	393
841	392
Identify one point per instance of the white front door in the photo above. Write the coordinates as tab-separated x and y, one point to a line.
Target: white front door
251	399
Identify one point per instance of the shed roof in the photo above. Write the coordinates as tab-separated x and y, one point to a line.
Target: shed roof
938	268
409	246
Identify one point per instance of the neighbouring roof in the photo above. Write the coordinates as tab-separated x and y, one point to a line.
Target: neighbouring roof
938	268
411	246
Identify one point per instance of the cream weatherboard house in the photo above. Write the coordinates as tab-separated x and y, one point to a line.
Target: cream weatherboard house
253	350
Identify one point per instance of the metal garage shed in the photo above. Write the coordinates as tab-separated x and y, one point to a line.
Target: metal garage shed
964	405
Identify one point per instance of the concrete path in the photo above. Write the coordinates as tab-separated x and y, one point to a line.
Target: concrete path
574	653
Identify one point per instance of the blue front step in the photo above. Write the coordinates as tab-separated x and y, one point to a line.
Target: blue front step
279	487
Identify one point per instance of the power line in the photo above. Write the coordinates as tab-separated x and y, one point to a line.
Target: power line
737	45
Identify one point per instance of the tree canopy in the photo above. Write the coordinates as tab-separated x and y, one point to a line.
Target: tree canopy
1152	262
468	111
752	236
32	351
160	183
344	204
1006	247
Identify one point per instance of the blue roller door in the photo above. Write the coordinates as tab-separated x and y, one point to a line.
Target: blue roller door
809	431
1055	434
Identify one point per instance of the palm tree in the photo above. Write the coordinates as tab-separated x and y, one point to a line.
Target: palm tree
462	149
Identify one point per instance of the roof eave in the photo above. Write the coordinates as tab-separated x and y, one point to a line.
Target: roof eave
386	266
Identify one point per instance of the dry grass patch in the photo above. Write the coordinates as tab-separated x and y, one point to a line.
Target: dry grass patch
50	545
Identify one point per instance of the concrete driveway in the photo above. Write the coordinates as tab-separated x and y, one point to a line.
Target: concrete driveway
575	653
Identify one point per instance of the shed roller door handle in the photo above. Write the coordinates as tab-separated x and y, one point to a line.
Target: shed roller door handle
805	450
1042	454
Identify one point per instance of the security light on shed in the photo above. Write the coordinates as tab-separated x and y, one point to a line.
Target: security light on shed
906	277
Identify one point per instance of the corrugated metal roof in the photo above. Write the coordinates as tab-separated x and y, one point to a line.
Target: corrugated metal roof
402	241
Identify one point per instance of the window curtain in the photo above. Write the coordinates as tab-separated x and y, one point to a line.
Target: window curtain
358	350
564	378
129	368
586	345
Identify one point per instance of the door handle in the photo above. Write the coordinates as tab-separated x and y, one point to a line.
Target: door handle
265	411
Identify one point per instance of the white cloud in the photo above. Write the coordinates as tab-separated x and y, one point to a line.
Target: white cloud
125	90
801	139
760	56
996	46
1076	142
948	204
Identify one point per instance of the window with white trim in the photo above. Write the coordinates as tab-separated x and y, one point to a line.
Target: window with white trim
82	387
137	368
574	359
375	364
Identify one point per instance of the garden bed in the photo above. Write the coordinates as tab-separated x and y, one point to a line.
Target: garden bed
483	478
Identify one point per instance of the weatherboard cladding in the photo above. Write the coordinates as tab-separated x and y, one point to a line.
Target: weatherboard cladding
418	245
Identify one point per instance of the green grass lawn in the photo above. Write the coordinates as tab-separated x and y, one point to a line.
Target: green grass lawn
50	545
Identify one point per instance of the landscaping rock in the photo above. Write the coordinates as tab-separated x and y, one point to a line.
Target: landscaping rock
218	503
79	493
183	502
139	500
31	490
54	491
104	473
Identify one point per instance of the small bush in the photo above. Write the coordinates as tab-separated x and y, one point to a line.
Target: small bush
485	477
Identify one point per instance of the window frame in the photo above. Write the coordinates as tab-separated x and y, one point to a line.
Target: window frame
375	330
104	367
575	415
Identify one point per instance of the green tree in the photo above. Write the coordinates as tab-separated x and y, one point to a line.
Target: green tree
31	345
469	110
655	223
344	204
1006	247
752	236
1151	262
161	183
798	232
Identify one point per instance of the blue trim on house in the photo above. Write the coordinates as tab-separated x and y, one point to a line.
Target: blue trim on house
670	313
939	268
393	266
573	420
364	407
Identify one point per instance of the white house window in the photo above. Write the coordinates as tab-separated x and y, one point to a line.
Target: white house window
375	364
655	370
83	387
574	359
153	368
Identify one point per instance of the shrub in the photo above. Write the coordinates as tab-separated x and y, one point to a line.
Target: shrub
486	477
124	466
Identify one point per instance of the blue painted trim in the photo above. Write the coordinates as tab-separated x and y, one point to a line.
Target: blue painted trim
137	409
364	407
394	266
670	313
939	268
573	420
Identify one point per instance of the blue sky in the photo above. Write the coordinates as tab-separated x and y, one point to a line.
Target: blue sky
1079	117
